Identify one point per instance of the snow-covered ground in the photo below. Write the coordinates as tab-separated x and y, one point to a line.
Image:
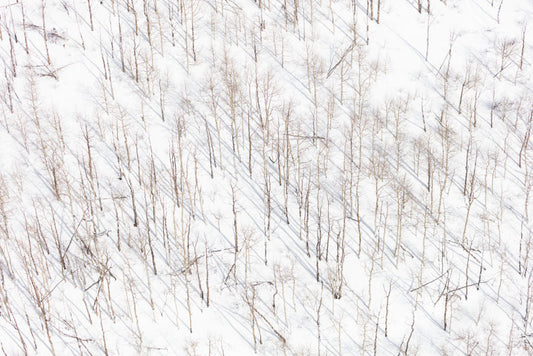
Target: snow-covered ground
296	177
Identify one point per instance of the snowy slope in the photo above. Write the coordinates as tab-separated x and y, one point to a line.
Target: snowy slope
281	177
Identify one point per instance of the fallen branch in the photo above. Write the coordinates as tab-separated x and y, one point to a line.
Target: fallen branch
348	50
463	287
425	284
271	327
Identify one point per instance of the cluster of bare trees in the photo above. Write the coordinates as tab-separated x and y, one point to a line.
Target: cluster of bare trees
188	189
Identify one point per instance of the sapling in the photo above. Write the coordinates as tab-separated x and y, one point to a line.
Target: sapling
387	309
524	29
